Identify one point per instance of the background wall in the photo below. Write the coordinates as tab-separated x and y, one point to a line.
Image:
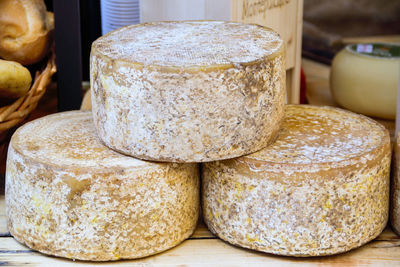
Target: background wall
326	22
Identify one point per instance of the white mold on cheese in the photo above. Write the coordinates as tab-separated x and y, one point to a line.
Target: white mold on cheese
322	188
188	91
69	195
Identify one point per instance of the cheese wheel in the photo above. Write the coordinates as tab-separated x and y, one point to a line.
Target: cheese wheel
68	195
395	187
188	91
364	79
321	188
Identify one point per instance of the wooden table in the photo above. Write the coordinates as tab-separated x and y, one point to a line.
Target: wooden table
204	249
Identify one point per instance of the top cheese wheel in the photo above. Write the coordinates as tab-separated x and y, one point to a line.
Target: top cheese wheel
69	195
188	91
321	188
192	44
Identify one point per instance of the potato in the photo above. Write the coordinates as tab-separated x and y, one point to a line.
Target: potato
15	79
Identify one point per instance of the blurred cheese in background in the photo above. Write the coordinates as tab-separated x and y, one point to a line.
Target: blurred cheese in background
364	79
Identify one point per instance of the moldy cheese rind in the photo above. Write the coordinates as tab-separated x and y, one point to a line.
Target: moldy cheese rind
188	91
321	188
395	187
70	196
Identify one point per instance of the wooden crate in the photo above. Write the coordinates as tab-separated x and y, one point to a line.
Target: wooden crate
284	16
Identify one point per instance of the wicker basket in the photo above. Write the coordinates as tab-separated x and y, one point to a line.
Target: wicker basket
15	113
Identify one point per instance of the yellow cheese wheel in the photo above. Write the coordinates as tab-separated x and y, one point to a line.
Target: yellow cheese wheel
364	79
68	195
321	188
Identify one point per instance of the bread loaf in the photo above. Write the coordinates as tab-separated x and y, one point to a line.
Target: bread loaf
322	188
188	91
68	195
25	30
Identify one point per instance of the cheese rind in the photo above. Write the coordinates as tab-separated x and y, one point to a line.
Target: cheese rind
68	195
395	188
322	188
218	94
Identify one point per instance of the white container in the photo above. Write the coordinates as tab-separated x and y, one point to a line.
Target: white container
118	13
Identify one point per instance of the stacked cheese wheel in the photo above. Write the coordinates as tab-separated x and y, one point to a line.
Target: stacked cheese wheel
188	92
321	188
68	195
78	184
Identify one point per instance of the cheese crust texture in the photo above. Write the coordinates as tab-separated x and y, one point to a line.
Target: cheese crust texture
190	91
68	195
395	187
322	188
